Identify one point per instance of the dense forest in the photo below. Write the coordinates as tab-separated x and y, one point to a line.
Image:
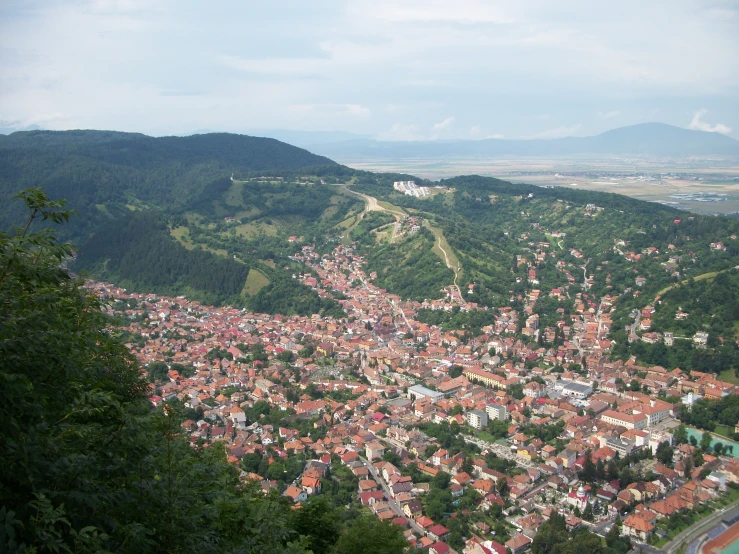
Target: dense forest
138	251
284	296
163	214
90	466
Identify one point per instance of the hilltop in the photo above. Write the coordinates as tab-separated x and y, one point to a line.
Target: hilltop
140	200
101	170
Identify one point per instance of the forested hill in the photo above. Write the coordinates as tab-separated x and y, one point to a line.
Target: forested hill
152	212
575	247
93	169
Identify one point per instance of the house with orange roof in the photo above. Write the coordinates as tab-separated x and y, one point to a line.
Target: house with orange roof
636	527
311	485
295	494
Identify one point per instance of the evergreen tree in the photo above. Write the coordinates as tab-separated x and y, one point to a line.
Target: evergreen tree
587	513
664	452
681	434
588	472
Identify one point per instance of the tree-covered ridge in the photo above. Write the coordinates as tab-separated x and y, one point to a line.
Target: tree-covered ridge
90	466
207	252
99	172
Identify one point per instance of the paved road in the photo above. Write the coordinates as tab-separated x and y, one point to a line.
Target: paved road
585	275
603	527
632	334
393	503
698	528
400	311
689	534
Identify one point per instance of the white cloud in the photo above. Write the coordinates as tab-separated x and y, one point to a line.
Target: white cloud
698	124
402	132
460	11
559	132
494	65
442	125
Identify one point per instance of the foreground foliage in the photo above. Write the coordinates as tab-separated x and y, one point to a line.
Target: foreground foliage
88	465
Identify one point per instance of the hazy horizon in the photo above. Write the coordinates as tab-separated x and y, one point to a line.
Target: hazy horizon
387	70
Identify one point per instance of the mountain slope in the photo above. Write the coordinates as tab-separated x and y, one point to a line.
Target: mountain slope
163	214
100	171
656	139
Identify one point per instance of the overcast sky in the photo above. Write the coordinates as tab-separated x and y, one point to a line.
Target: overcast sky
388	68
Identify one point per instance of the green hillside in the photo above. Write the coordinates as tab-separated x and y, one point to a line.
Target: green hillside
163	214
512	239
101	173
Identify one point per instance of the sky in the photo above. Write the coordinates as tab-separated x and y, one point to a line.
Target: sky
390	69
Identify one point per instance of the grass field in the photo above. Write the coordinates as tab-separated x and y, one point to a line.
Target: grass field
255	229
729	376
104	209
392	208
702	277
255	281
182	234
234	196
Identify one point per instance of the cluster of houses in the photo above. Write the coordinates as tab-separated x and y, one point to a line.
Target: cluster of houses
401	373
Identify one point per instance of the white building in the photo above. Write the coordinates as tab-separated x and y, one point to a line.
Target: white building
477	419
417	391
630	421
495	411
576	390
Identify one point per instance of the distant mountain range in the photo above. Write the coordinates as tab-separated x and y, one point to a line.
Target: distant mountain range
647	139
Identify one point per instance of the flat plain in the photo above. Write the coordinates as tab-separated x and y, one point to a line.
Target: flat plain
702	185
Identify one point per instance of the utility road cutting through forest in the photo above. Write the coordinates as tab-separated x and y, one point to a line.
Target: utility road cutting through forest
438	234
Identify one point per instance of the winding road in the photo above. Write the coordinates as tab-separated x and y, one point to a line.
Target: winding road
374	206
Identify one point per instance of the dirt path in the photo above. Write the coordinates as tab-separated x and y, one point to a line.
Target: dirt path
446	259
451	266
372	205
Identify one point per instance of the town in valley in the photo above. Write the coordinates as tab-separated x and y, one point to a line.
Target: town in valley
468	441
